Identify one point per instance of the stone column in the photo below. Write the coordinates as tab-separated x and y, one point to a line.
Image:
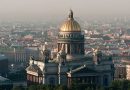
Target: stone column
43	79
69	82
58	47
70	48
66	48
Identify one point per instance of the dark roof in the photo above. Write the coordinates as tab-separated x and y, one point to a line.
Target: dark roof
106	38
96	36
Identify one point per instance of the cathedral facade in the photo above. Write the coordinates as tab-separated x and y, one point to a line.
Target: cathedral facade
71	65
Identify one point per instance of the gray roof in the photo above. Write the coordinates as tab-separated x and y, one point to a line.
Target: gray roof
5	81
2	57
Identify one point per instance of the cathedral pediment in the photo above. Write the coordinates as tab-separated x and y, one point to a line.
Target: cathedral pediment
34	69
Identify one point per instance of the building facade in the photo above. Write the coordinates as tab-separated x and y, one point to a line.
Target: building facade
3	65
71	64
122	70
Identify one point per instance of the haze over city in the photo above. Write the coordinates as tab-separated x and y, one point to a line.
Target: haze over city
44	9
64	45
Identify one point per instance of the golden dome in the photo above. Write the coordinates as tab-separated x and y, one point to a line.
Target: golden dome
70	24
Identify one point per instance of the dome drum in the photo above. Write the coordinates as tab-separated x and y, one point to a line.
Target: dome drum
68	40
71	37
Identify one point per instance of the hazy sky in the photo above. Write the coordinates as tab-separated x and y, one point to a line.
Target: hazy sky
28	9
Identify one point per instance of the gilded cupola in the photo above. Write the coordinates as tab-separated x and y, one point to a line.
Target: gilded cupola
70	25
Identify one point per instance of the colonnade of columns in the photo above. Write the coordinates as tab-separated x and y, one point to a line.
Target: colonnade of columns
34	79
72	48
84	80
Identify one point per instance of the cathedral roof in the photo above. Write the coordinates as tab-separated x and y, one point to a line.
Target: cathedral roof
34	68
70	25
82	69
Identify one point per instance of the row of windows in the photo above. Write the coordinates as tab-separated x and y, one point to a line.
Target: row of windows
89	80
71	36
73	48
92	80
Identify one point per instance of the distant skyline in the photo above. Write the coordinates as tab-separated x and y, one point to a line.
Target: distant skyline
54	9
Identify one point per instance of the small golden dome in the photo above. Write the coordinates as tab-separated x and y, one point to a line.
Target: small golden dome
70	24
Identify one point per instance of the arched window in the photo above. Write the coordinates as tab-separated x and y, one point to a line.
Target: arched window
52	81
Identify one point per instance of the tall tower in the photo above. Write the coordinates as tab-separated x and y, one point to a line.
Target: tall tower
71	37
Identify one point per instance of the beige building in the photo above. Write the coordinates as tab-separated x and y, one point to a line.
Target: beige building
128	72
122	71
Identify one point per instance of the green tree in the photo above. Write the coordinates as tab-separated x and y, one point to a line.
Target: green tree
125	85
116	85
32	87
129	85
88	88
60	87
99	87
120	85
18	88
41	87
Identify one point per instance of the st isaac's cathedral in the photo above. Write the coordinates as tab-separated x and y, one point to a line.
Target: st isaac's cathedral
71	63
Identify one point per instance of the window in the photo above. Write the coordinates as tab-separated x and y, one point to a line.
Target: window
52	81
105	80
